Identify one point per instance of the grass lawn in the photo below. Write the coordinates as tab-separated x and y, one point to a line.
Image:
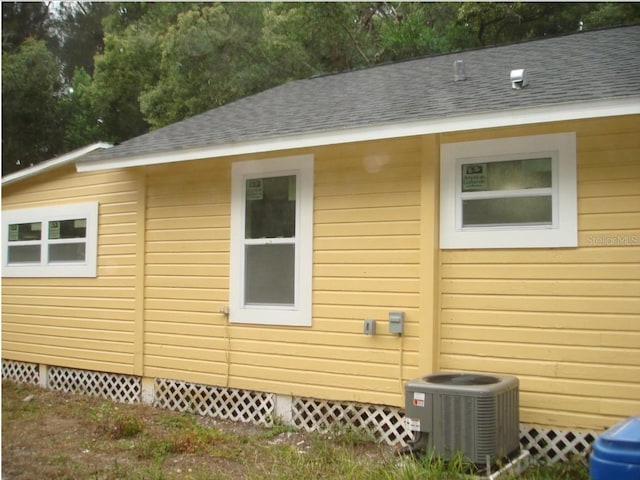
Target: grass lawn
47	434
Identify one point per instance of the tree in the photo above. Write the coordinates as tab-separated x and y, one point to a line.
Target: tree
210	56
610	13
79	114
31	127
117	84
329	37
496	23
417	29
130	65
78	26
198	53
112	71
24	20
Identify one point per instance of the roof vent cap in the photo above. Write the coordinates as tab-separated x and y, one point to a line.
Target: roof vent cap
458	71
519	79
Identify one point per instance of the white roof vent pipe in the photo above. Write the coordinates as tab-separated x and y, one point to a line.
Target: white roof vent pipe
458	71
519	79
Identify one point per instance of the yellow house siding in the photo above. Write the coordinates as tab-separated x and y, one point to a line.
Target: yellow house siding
186	271
366	263
83	323
566	321
141	228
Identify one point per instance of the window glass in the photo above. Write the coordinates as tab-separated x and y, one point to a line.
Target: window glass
67	252
270	207
507	175
24	232
501	192
20	232
65	229
24	254
507	211
270	274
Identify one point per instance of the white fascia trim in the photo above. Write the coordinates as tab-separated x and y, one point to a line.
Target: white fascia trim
69	157
629	105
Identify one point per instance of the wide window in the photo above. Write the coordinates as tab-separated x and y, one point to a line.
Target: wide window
509	193
271	241
55	241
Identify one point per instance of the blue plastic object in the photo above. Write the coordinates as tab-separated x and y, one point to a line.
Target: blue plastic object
616	453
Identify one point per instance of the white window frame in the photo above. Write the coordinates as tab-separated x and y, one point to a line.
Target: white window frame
298	314
43	215
563	230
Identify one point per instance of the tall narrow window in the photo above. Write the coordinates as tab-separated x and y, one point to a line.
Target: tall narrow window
270	240
271	235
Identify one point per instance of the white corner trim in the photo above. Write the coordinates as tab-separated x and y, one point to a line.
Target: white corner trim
69	157
629	105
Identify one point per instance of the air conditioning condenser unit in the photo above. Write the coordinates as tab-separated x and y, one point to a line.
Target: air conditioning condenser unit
474	414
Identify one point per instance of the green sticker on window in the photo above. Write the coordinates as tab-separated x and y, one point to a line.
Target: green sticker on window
255	189
474	177
54	230
13	233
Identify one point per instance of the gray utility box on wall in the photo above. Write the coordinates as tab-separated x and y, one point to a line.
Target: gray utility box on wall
474	414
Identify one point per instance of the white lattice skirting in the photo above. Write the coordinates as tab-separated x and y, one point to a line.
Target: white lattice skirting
119	388
555	445
20	372
226	403
385	423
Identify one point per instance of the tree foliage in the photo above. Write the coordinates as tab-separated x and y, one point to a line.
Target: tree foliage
79	113
78	28
88	71
22	21
208	58
31	127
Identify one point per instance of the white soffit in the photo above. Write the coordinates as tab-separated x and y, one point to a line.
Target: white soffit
629	105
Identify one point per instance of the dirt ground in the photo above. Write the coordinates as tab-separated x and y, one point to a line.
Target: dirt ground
52	435
48	435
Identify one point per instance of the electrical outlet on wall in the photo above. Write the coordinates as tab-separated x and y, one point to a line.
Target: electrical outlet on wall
369	327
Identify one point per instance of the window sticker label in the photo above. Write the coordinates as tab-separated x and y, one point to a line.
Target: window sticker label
418	399
255	189
54	230
13	233
474	177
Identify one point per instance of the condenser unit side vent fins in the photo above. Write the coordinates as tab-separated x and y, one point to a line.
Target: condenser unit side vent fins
472	414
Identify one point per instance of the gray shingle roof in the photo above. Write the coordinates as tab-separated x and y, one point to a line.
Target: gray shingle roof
603	64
